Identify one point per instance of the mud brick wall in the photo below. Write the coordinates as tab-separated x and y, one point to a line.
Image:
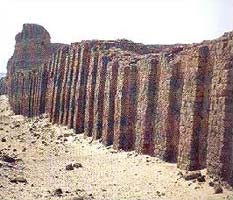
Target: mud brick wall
148	74
170	101
73	92
3	86
32	49
125	105
118	110
61	65
67	85
219	151
109	102
167	112
64	85
14	92
24	98
43	82
51	84
51	71
194	110
91	84
23	88
81	85
99	96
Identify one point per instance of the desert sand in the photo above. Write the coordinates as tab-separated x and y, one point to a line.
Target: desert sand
39	160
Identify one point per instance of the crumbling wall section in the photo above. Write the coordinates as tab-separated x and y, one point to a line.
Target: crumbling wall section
3	86
194	109
220	140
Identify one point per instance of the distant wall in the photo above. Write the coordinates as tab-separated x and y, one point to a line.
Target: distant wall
32	49
3	86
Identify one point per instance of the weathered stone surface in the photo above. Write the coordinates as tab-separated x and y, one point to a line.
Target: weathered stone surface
32	49
76	68
168	108
58	84
80	97
91	85
219	150
194	110
125	105
99	96
3	88
67	91
171	101
109	101
148	74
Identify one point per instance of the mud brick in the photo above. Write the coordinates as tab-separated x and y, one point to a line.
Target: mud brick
36	94
167	111
36	97
51	84
32	49
219	150
99	96
74	89
43	88
58	84
193	134
89	114
30	84
64	86
16	98
54	77
3	86
147	83
80	98
23	96
27	92
33	94
125	107
118	107
109	102
68	87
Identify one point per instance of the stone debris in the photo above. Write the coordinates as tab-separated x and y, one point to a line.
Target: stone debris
201	178
77	165
218	189
190	175
69	167
18	180
58	192
73	165
7	158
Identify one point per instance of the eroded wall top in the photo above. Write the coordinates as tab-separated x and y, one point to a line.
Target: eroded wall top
32	48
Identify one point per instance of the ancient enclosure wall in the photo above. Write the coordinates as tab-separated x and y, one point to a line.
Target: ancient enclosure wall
3	86
175	103
32	49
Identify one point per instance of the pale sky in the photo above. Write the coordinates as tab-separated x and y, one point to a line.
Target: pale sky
145	21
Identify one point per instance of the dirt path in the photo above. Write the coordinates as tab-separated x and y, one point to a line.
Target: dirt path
35	157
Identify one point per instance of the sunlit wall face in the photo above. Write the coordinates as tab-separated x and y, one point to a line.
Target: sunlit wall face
146	21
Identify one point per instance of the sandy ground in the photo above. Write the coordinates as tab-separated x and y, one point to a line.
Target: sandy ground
34	155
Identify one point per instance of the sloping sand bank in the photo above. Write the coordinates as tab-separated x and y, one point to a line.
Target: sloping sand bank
39	160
